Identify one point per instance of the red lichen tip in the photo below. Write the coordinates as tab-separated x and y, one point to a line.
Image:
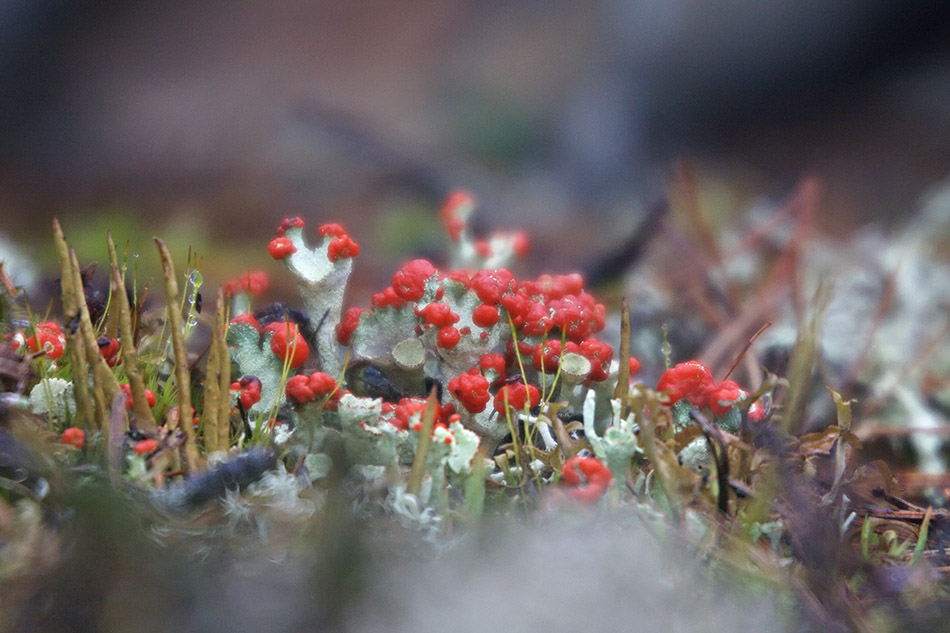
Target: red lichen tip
490	285
145	447
471	389
448	337
48	338
409	282
485	315
455	211
302	389
109	348
288	344
599	354
596	478
437	314
74	436
722	396
281	247
342	247
336	230
517	395
689	380
348	324
127	390
290	223
252	282
520	244
247	319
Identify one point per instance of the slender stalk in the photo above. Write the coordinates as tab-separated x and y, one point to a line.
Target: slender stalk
215	421
144	419
77	353
425	438
189	450
622	390
105	385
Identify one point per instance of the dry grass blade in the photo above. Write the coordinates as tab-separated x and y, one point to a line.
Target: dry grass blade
144	419
77	352
803	360
105	384
190	457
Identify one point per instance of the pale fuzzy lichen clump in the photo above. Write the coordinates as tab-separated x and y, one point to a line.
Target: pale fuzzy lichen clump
53	397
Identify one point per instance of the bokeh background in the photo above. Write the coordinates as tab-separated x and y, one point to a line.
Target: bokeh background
208	121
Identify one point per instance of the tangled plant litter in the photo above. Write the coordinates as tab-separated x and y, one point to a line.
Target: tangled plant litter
458	392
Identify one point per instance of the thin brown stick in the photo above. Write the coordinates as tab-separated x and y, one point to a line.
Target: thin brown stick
189	450
623	374
745	348
144	419
104	385
77	353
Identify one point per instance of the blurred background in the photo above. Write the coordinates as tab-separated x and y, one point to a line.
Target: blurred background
209	121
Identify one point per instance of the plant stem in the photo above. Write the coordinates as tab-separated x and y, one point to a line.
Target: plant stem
144	419
182	375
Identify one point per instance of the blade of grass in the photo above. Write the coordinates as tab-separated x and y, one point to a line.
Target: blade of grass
922	537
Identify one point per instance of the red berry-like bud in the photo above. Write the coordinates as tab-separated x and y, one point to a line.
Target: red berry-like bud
596	474
341	248
290	223
438	314
723	395
448	337
599	354
689	380
348	325
517	395
74	436
490	285
494	362
409	282
485	315
287	343
336	230
471	389
248	319
144	447
252	282
298	389
281	247
454	212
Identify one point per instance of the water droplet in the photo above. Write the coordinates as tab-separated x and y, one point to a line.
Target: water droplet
192	321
